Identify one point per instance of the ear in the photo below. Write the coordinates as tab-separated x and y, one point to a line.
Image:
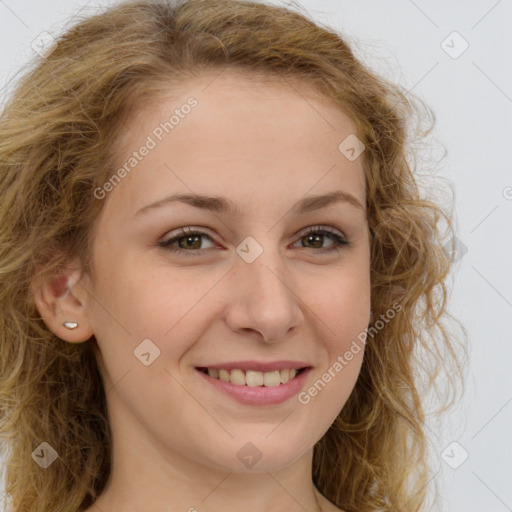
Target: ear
62	298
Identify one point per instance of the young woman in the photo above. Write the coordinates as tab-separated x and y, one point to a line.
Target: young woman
217	271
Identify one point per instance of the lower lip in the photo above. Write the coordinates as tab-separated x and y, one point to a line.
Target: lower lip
260	395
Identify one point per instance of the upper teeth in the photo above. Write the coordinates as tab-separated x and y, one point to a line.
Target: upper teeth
253	378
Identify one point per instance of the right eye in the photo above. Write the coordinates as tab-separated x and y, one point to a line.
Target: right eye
188	240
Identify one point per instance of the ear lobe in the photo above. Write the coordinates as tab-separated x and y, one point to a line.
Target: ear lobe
60	299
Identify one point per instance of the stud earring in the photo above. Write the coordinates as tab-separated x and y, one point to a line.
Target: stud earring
70	325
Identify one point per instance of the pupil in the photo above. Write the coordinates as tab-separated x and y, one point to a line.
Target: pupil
188	239
314	237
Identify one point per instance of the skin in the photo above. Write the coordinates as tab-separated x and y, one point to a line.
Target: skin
265	145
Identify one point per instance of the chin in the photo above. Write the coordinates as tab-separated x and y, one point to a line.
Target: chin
260	455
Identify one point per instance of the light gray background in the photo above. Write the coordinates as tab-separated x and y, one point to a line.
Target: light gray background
472	99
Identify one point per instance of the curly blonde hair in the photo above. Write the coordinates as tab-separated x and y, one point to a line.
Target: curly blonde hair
58	135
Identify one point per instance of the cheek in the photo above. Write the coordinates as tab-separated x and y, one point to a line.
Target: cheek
342	305
145	300
343	316
168	308
167	302
342	312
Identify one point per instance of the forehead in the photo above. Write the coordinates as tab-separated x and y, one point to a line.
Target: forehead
245	133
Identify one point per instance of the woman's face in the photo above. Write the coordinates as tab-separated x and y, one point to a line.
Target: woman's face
253	291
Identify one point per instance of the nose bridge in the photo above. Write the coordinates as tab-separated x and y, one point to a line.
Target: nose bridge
267	271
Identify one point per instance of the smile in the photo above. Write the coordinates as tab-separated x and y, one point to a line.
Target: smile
253	387
253	378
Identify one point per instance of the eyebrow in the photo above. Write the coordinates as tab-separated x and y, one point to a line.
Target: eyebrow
220	204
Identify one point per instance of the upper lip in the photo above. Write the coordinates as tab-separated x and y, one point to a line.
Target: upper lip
258	366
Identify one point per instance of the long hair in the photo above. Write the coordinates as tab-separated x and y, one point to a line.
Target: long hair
58	135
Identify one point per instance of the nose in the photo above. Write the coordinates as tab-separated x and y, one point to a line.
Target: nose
262	298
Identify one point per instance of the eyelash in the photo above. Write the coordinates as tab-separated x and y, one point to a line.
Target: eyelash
339	241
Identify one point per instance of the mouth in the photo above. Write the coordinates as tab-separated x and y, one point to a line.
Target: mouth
253	378
255	382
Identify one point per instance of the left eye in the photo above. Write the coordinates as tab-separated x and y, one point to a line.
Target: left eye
191	239
315	233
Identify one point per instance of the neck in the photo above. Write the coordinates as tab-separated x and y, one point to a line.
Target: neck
142	479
